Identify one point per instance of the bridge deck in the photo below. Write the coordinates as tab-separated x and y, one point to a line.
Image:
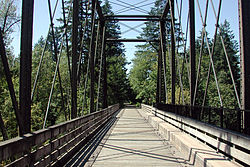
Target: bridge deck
133	142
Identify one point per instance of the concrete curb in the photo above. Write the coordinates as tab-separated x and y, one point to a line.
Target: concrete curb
196	152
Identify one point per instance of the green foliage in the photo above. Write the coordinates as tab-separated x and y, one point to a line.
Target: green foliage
141	83
41	95
143	74
222	70
6	108
36	116
8	16
8	19
119	90
138	105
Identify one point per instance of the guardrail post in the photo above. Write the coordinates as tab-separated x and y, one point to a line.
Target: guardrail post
238	119
190	111
184	110
202	113
199	113
209	115
221	117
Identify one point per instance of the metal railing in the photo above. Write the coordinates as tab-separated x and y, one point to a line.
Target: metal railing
231	119
233	144
53	145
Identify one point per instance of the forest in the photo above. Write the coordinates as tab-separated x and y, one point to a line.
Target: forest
135	86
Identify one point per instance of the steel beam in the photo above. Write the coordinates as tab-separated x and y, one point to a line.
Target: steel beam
74	58
131	40
165	11
244	14
132	19
163	52
173	71
159	77
66	39
192	49
92	57
99	9
133	16
26	65
104	66
98	33
55	53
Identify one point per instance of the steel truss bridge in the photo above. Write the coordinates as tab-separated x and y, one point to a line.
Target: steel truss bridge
164	134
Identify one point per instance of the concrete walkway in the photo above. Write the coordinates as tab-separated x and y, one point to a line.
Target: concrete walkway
133	142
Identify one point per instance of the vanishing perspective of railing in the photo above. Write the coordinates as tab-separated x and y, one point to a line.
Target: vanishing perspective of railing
231	119
232	144
53	145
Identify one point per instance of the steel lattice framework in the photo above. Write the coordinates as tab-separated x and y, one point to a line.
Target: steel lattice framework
97	37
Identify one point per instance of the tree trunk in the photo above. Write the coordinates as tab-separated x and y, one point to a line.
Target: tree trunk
3	128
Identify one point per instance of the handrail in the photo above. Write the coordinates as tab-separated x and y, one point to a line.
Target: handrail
230	143
47	146
233	121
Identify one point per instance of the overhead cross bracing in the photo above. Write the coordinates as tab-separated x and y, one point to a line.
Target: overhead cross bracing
128	13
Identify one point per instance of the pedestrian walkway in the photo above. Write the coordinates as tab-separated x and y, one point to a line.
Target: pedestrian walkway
133	142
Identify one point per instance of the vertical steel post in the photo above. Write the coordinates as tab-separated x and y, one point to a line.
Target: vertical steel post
173	71
92	56
244	17
56	52
74	58
159	76
26	64
96	42
163	52
103	55
157	83
192	49
66	39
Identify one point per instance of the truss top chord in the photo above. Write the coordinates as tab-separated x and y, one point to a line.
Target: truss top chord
131	40
135	18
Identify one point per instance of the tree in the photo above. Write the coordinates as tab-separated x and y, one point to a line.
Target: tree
8	16
118	83
221	68
223	75
42	92
8	19
143	75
